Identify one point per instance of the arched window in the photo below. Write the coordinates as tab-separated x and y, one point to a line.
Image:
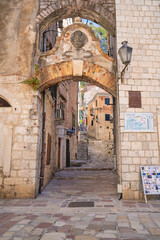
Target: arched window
4	103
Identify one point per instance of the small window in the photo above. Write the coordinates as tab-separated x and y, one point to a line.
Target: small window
96	103
62	107
73	121
92	123
107	117
107	101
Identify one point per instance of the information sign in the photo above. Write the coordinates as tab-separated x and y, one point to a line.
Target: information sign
139	122
151	180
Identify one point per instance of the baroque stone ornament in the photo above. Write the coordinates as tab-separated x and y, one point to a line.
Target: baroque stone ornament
78	39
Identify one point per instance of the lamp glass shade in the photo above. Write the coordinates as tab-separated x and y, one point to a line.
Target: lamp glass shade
125	53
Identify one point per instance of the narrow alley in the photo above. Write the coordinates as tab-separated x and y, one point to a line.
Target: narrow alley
79	205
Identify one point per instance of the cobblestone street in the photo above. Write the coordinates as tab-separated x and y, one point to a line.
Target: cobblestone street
79	205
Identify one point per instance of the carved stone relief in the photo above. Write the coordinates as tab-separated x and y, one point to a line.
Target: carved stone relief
78	39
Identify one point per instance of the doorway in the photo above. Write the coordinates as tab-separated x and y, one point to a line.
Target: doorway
67	153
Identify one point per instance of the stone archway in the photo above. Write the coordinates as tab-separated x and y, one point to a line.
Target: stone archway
78	56
78	59
92	73
102	12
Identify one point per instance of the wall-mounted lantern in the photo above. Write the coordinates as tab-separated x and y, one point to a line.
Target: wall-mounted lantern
125	53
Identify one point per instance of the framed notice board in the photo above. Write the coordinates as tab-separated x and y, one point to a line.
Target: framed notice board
151	180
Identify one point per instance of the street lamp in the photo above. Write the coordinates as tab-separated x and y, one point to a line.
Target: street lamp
125	53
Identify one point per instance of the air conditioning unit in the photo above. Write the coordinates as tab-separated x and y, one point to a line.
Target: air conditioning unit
59	114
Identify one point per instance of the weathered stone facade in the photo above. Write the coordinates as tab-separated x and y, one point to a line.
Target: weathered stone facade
22	23
100	125
89	63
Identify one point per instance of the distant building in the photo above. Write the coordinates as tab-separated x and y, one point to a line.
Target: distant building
100	117
86	93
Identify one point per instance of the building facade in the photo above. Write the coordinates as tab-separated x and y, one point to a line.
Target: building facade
59	133
22	26
100	117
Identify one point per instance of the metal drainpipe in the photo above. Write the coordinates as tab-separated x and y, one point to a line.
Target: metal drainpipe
114	132
119	134
41	178
77	115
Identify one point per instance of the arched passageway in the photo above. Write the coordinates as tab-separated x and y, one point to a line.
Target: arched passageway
77	56
69	61
101	12
92	73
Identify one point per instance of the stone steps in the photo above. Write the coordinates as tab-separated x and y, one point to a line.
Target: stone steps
82	151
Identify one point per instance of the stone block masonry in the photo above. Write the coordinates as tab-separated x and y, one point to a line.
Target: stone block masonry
19	147
103	11
138	23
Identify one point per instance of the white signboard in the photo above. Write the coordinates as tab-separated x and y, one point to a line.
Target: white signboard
139	122
151	180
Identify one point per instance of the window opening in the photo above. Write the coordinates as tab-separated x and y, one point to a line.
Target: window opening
107	117
107	101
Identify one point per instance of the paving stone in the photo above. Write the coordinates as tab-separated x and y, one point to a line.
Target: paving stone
59	223
94	227
154	231
126	230
3	230
17	238
28	223
44	225
105	235
53	236
37	231
8	234
82	237
24	221
5	238
65	228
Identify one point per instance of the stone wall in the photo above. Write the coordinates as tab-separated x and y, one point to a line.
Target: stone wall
138	22
19	140
20	125
50	129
